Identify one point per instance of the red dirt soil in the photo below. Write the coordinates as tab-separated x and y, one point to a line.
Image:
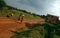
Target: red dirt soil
8	24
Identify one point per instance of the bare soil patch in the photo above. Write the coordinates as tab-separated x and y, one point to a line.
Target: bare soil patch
8	24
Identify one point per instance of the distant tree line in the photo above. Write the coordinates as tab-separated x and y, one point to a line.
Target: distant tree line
3	4
9	7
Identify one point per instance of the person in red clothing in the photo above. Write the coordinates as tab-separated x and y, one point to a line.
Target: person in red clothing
20	18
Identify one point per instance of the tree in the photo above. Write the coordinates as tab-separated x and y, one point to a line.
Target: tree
2	4
57	27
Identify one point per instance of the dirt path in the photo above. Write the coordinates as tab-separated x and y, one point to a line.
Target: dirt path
8	24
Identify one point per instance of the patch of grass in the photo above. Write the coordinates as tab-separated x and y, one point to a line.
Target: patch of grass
36	32
56	36
17	13
39	31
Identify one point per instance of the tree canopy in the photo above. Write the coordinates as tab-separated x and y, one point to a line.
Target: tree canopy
2	4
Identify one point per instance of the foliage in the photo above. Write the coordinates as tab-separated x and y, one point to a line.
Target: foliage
57	27
15	11
35	32
2	4
45	30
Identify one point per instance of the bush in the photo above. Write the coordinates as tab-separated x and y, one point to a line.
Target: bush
2	4
35	32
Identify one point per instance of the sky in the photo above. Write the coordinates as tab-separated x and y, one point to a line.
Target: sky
41	7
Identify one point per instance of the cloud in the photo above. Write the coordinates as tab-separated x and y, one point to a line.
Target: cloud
37	6
22	6
55	8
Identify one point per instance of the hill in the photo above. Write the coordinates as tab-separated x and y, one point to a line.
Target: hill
11	24
5	10
31	26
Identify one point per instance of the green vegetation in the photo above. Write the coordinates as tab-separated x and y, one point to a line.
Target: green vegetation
5	10
2	4
35	32
39	31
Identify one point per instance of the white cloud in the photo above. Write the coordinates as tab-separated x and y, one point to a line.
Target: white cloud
54	8
37	6
22	6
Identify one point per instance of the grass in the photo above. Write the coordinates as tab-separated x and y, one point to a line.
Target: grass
17	13
56	36
35	32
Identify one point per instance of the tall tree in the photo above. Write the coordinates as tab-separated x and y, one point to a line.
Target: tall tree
2	4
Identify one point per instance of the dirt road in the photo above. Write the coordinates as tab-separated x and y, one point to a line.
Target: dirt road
8	24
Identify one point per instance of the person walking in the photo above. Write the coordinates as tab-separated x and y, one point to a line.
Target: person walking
22	18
